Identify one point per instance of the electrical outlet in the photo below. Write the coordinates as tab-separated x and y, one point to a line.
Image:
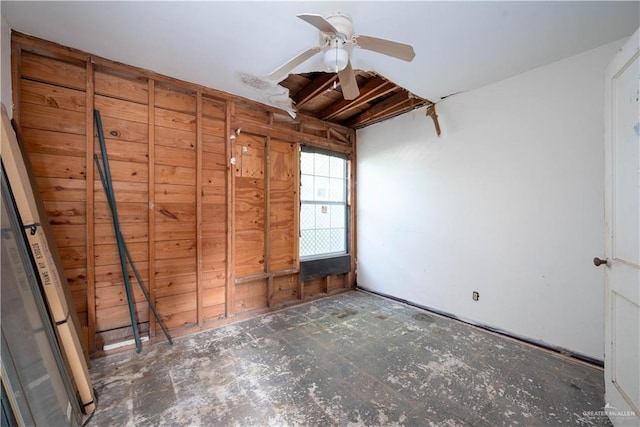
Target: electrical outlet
475	295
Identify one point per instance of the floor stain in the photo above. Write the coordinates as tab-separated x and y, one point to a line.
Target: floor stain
423	317
347	312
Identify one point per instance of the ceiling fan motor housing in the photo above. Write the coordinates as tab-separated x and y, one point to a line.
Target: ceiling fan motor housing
342	23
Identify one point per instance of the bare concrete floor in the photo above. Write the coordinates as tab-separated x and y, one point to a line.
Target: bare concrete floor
352	359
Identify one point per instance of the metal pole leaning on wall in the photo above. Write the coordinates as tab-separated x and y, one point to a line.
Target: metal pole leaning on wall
116	225
130	258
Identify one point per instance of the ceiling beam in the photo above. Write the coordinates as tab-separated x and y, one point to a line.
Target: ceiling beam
374	88
316	87
388	106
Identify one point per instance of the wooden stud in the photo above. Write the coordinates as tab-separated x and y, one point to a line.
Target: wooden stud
199	284
16	77
230	199
289	136
267	217
353	213
151	203
267	214
90	209
296	219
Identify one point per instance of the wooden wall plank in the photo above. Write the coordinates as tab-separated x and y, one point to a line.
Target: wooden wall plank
314	287
169	193
172	98
124	191
251	296
173	137
214	144
213	296
175	285
118	316
185	302
175	175
175	120
49	70
62	189
49	142
60	213
54	166
285	288
127	212
175	157
174	320
54	119
168	268
213	108
107	254
175	249
127	151
131	89
44	94
120	109
125	130
215	277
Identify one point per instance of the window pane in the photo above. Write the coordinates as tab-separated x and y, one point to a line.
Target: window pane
323	241
323	219
306	163
307	243
336	190
306	187
321	165
307	217
321	188
337	217
338	240
337	167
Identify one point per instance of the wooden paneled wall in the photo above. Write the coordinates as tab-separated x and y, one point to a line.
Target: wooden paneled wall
206	185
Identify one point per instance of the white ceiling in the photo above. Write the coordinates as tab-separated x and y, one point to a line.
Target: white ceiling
459	45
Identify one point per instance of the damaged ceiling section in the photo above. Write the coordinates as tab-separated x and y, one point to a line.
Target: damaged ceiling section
318	94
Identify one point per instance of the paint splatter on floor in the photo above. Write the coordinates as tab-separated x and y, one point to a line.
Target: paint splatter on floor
353	359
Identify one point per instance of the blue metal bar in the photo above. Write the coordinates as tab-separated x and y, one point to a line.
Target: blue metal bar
130	259
116	225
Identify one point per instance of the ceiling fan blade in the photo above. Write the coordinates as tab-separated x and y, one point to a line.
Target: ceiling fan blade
386	47
318	21
348	83
286	68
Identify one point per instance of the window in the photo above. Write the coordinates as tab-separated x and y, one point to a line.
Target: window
323	204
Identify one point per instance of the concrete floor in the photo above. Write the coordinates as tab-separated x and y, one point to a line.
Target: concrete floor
352	359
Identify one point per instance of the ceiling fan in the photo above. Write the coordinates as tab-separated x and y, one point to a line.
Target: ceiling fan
336	31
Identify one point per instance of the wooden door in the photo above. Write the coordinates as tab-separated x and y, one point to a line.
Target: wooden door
622	243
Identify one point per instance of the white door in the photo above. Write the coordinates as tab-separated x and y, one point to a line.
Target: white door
622	243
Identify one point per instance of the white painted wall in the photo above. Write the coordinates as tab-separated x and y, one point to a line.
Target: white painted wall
5	65
507	202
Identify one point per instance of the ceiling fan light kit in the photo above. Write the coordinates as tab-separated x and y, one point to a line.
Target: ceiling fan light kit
336	30
336	58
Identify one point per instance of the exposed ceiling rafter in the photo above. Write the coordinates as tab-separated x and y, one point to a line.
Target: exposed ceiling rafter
318	94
